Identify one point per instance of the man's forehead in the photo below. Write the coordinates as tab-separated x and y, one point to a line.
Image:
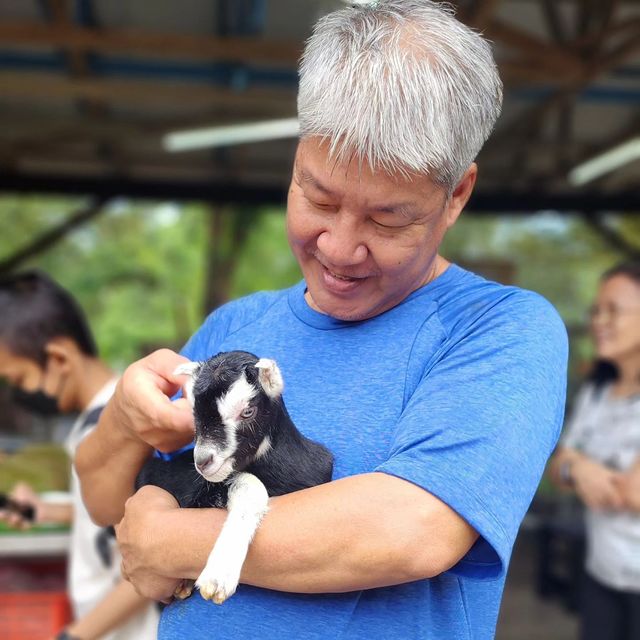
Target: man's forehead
12	364
378	190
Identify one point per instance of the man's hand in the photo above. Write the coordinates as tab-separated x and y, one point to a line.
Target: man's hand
140	542
23	495
596	485
141	405
139	417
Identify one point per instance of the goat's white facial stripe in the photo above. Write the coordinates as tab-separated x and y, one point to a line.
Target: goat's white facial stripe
264	448
230	406
237	398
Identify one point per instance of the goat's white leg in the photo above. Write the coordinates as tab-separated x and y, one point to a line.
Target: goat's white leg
246	504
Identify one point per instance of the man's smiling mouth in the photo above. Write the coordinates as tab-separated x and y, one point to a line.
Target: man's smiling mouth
341	277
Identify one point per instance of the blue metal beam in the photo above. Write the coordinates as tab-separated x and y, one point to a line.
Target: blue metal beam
589	203
241	77
208	73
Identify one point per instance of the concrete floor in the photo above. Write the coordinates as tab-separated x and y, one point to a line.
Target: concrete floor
524	615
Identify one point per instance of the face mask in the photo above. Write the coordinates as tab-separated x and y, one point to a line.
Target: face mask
36	401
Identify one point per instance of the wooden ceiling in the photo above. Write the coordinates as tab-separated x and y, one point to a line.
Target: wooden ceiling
89	87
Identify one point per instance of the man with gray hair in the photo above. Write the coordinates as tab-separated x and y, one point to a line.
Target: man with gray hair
440	394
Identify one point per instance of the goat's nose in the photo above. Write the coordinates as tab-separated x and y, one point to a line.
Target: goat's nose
202	460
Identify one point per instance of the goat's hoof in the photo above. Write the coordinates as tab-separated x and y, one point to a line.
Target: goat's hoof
184	589
216	589
215	593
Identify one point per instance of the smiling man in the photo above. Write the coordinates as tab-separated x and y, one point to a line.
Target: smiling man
364	239
439	393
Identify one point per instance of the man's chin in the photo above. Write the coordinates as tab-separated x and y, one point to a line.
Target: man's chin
339	310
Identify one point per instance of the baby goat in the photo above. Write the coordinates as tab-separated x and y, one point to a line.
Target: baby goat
246	449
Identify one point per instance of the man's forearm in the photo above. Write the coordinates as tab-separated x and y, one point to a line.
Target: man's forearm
360	532
113	611
107	463
52	513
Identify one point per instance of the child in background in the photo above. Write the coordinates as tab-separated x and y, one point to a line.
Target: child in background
49	357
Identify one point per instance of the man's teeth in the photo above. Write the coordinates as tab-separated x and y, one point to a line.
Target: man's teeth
335	275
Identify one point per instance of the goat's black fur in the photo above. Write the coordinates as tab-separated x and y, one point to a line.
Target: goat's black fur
293	462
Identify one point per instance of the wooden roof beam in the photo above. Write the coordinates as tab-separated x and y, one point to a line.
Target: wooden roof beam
482	13
536	51
49	87
146	43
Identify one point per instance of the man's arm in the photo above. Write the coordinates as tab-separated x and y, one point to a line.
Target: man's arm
359	532
139	417
113	611
43	512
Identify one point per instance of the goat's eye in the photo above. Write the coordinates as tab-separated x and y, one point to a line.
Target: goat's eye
248	413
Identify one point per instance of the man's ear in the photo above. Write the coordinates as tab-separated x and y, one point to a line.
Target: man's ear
461	194
62	351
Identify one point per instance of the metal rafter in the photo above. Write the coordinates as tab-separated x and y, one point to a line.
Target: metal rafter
50	237
599	61
135	42
567	60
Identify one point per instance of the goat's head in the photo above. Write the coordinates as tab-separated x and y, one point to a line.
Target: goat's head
236	404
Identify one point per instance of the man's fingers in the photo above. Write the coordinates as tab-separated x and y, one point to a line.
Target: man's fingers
155	497
163	364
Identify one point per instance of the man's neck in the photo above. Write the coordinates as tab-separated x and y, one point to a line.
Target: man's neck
95	375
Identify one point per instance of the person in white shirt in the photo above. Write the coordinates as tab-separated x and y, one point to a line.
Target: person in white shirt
599	459
49	358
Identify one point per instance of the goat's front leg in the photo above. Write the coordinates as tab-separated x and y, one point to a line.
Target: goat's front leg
246	505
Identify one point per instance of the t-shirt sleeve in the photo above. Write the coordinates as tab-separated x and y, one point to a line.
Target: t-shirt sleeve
483	421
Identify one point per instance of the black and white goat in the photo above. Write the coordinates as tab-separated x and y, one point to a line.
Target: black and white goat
246	449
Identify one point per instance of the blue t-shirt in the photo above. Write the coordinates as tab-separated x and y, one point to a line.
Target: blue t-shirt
459	389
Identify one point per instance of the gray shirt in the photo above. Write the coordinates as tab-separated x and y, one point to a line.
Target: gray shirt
607	429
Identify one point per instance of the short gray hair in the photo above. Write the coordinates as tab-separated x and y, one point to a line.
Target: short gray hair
402	85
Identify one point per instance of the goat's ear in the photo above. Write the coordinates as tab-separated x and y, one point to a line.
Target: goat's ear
190	369
270	377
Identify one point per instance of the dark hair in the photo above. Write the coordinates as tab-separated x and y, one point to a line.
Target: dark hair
33	310
604	371
630	269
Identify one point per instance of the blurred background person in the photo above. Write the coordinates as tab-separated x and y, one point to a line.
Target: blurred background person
599	459
49	358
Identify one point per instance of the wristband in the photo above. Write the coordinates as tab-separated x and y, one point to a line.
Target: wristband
565	473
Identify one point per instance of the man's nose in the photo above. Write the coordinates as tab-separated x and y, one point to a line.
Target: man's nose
342	242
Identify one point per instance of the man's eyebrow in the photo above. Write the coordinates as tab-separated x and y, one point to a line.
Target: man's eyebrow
305	177
406	209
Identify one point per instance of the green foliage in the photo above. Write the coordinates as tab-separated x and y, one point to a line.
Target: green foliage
140	269
136	269
45	467
265	261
